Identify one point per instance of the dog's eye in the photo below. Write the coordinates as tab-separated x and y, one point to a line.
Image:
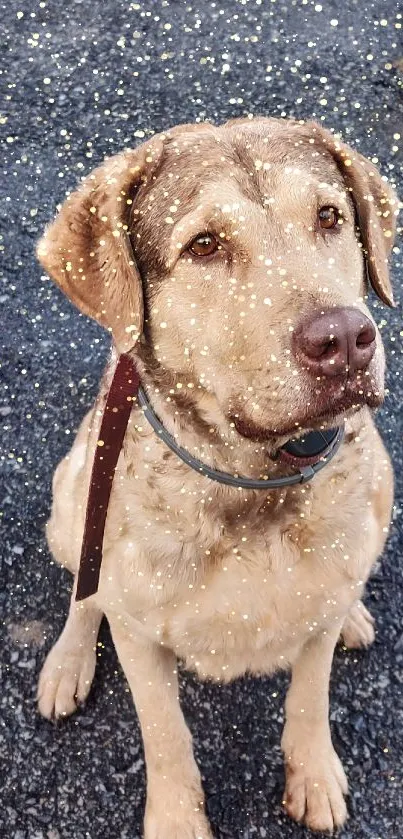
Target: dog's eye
329	218
203	245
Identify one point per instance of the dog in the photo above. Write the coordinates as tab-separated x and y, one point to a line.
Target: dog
232	265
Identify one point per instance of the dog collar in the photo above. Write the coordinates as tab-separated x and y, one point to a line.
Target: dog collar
316	447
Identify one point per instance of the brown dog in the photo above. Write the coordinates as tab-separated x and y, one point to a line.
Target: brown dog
245	313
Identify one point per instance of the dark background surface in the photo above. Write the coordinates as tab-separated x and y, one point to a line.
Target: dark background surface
82	80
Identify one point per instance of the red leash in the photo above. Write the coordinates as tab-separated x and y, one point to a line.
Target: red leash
119	402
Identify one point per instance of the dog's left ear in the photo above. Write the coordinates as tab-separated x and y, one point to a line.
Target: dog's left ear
87	251
376	205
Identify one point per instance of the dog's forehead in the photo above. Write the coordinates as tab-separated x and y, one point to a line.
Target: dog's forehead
254	157
234	166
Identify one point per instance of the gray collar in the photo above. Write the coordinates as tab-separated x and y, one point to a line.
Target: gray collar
304	474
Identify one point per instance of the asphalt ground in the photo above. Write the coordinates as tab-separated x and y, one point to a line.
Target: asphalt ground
81	80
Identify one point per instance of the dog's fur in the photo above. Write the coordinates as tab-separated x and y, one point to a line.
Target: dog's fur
229	580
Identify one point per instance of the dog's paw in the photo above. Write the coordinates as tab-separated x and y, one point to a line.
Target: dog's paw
191	828
65	680
314	792
358	628
178	821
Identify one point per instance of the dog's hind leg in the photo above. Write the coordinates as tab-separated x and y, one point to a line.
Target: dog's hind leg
68	671
358	627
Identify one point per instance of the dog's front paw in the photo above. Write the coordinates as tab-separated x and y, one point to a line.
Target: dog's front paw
65	680
315	790
358	628
178	819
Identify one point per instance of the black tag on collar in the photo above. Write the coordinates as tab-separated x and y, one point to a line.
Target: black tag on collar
314	444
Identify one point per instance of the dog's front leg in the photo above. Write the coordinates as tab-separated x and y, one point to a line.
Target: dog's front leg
315	779
174	808
68	671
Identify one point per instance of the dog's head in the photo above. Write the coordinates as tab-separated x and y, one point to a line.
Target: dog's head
239	256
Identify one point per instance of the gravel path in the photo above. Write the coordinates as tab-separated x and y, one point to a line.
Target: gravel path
84	79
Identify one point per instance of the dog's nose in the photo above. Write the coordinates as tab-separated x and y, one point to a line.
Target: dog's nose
337	342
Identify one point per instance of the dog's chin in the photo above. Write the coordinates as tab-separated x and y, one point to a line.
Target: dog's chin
320	414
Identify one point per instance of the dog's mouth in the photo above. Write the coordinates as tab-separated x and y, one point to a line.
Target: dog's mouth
321	415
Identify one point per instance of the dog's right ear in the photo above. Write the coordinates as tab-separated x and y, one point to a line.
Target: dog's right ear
375	202
87	251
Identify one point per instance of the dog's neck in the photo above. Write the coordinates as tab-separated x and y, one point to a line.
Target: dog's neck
192	415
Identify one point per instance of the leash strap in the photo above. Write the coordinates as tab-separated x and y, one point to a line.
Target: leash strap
119	402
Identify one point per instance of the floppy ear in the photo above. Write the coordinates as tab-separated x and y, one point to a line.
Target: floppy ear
87	251
376	205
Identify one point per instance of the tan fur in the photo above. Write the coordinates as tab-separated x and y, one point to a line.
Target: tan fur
229	580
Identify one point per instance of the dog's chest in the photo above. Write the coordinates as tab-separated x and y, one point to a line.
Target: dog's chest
250	610
232	597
